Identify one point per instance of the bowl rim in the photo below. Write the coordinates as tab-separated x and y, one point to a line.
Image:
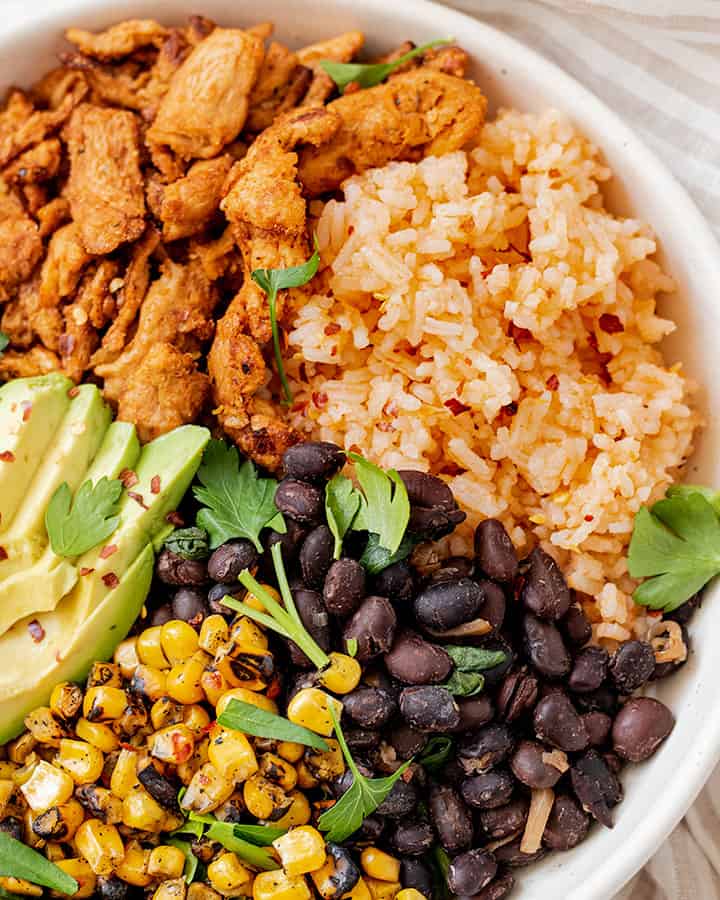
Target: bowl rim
21	21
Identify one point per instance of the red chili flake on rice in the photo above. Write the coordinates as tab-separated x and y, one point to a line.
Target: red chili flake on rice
455	406
589	518
610	323
108	551
552	383
128	478
37	632
385	426
520	334
155	484
320	399
111	580
27	410
138	498
7	456
332	328
85	571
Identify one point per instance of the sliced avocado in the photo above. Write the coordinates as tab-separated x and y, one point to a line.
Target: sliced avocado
70	645
30	412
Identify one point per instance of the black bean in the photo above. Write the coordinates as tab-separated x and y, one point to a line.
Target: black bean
373	627
395	582
493	605
173	569
314	461
488	791
640	727
216	594
496	675
613	762
576	627
474	712
159	787
485	748
413	838
400	802
557	722
685	611
545	592
604	699
344	587
511	855
496	890
448	604
371	829
190	605
596	787
300	501
370	707
472	871
529	766
413	660
314	617
12	826
229	560
433	523
453	568
567	824
113	888
451	818
502	821
632	664
427	490
517	695
407	741
160	615
545	648
495	551
290	541
415	874
343	782
316	556
589	670
429	708
598	726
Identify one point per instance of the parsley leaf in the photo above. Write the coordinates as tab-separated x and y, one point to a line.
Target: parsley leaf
376	558
342	501
385	507
237	503
361	799
260	857
17	860
273	280
369	74
4	341
676	547
436	753
464	684
474	659
685	490
251	719
76	525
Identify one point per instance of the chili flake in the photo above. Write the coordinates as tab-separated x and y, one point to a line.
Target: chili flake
85	571
129	478
27	409
3	554
7	456
138	498
332	328
174	518
155	484
455	406
108	551
111	580
74	391
610	323
552	383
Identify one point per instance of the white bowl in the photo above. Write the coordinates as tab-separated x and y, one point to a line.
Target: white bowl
658	792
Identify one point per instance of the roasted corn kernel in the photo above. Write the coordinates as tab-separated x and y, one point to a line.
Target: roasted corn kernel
59	823
279	886
299	812
214	685
149	682
142	811
382	890
187	770
310	708
214	633
290	751
7	788
342	675
410	894
82	873
361	891
134	717
166	711
19	749
278	770
83	761
232	754
104	704
134	866
166	862
246	696
301	850
149	648
101	803
255	603
171	890
265	800
20	887
338	875
108	674
245	631
184	681
196	719
380	865
305	778
173	745
326	764
124	776
47	786
66	700
207	790
178	640
200	891
43	726
126	657
228	876
101	845
97	734
244	665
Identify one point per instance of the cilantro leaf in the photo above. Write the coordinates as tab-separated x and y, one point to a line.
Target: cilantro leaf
351	646
191	861
76	525
361	799
251	719
437	752
273	280
17	860
342	501
369	74
237	503
474	659
4	341
260	857
676	547
685	490
464	684
376	558
385	507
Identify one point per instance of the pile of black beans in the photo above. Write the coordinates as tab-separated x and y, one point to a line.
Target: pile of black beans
553	692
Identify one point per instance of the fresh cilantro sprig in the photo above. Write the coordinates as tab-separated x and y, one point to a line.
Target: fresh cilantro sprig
237	502
437	752
260	723
360	800
367	75
191	861
249	842
467	679
384	505
273	280
342	502
17	860
675	546
76	525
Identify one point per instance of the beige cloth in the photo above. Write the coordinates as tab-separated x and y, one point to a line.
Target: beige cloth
657	64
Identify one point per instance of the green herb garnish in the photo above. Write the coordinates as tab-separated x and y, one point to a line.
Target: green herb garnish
259	857
191	861
351	645
342	501
384	507
441	865
190	543
466	679
464	684
79	524
360	800
273	280
687	490
4	341
376	558
237	503
437	752
17	860
251	719
247	841
367	75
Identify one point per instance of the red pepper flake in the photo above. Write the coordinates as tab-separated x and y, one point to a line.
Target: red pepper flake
74	391
407	776
7	456
85	571
37	632
455	406
125	746
111	580
592	341
352	87
520	334
552	383
138	498
274	687
300	406
332	328
353	448
155	484
385	426
589	518
3	554
333	351
108	551
182	747
610	323
174	518
27	409
129	478
206	729
320	399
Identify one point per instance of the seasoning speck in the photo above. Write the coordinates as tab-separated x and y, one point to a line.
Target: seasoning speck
138	498
129	478
455	406
155	484
85	571
111	580
108	551
27	409
3	554
174	518
37	632
7	456
74	391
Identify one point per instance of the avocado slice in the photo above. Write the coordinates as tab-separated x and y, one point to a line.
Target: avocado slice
30	412
119	450
70	645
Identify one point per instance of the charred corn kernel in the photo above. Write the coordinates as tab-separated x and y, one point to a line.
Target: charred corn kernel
171	890
378	864
72	815
172	822
166	862
66	700
301	850
305	778
200	891
174	744
245	631
104	704
104	673
310	708
178	640
124	775
43	726
279	886
184	681
360	892
232	754
101	803
82	873
23	773
214	685
207	790
47	786
133	718
278	770
19	749
149	648
255	603
326	764
265	800
101	845
382	890
149	682
134	866
21	887
246	696
7	787
29	836
245	666
196	719
7	770
142	811
126	656
342	675
97	734
54	852
59	823
290	751
83	761
166	711
214	632
328	878
410	894
299	812
227	875
187	770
